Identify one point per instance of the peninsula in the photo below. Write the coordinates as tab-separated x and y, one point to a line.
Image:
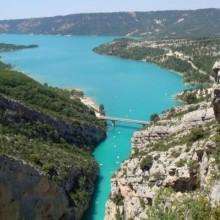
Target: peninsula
191	58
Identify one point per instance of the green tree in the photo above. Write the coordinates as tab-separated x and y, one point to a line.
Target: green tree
154	117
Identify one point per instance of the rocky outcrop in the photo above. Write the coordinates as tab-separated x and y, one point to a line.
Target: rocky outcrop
78	133
25	194
174	153
216	91
215	193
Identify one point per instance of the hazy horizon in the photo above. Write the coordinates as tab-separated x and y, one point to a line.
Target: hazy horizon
105	12
10	9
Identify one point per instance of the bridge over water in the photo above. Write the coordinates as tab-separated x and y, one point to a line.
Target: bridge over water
126	120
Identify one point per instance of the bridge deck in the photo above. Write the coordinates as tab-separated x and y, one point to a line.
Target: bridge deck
124	120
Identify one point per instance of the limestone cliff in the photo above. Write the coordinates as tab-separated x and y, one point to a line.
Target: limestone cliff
25	194
173	167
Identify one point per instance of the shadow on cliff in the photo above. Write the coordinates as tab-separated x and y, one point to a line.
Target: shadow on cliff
91	212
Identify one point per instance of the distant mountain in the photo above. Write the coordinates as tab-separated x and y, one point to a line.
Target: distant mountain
159	24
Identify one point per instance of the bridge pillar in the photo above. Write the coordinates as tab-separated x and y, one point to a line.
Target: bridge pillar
113	123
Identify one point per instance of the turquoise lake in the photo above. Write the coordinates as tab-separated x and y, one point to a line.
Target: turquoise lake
128	89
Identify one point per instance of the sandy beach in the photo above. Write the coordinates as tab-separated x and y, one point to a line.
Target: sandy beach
91	103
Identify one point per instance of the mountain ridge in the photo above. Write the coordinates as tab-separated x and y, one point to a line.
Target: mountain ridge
152	24
110	12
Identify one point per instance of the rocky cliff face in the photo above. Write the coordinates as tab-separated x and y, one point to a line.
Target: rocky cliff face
25	194
173	163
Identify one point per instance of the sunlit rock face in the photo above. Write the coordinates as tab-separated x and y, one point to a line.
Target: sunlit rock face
173	162
25	194
216	91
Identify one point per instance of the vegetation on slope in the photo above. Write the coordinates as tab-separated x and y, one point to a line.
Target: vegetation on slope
193	208
57	102
192	58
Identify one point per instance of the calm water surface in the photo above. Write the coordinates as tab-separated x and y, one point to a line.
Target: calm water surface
127	88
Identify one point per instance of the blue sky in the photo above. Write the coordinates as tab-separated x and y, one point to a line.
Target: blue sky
39	8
